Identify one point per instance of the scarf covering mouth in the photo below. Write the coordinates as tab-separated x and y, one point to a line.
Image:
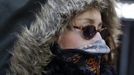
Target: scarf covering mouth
88	62
97	47
86	58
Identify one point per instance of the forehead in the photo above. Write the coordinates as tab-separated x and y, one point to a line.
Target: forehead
92	16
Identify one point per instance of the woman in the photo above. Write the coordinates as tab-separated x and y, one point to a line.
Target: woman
69	37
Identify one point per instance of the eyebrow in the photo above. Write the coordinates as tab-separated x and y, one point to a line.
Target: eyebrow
90	20
87	19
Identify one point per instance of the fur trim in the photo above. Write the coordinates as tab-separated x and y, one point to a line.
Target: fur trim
31	51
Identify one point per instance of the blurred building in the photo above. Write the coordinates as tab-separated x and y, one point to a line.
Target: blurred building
125	11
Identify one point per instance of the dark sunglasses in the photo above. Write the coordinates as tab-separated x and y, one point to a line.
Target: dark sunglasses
89	31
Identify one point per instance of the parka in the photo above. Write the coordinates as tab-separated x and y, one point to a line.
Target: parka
31	54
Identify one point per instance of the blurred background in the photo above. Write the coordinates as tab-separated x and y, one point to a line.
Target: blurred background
14	13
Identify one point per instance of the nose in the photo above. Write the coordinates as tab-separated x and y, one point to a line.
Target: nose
97	37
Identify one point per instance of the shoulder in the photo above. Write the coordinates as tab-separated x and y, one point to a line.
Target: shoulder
107	69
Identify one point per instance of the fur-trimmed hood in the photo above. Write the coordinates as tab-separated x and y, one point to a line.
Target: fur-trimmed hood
31	50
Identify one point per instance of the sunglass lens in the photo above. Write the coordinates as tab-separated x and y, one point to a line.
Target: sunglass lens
89	32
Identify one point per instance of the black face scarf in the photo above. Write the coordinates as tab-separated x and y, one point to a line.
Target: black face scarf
88	63
80	61
85	58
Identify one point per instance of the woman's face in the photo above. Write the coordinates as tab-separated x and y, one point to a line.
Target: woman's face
73	38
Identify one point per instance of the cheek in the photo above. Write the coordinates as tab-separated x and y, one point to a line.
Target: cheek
70	40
